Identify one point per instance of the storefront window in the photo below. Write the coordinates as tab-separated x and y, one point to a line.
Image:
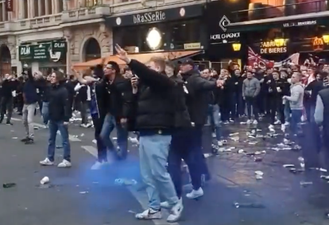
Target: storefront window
173	36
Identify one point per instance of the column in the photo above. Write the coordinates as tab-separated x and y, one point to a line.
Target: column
47	7
20	10
55	6
31	6
40	7
3	11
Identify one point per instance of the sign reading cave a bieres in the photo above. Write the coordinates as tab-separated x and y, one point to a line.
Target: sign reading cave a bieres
149	17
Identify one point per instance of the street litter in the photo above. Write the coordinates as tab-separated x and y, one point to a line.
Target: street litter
124	181
286	141
83	192
324	177
95	141
259	136
8	185
259	152
114	138
14	138
243	123
301	162
131	211
133	140
81	135
259	175
305	183
235	138
289	166
248	205
233	134
295	171
253	142
241	151
44	180
258	159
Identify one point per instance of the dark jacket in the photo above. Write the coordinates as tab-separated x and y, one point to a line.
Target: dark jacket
315	86
30	90
153	109
197	98
119	97
8	86
59	107
43	87
324	95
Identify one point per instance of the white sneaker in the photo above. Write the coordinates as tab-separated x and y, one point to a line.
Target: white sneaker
46	162
176	212
255	122
286	123
64	164
278	122
149	214
97	165
271	127
249	121
195	193
283	128
166	204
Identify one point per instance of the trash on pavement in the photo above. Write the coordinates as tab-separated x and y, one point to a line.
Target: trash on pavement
8	185
44	180
83	192
234	134
258	159
133	140
248	205
81	135
289	166
259	175
301	162
241	151
253	142
235	138
305	183
324	177
131	211
14	138
125	182
295	171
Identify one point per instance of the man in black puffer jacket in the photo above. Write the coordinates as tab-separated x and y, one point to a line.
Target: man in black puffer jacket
155	120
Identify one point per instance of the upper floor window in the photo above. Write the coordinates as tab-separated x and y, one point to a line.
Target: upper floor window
90	3
3	11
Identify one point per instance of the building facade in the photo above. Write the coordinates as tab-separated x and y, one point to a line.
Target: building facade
44	34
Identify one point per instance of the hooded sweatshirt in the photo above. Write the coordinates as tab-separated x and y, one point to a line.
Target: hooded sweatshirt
296	97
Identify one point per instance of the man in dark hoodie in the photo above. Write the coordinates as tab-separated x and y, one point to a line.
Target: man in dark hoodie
30	97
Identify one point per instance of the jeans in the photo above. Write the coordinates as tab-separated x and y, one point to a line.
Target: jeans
45	112
55	126
295	119
153	153
312	111
287	111
101	148
108	126
186	145
214	119
28	114
251	107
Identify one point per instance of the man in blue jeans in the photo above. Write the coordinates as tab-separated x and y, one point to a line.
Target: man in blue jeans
295	101
59	115
117	106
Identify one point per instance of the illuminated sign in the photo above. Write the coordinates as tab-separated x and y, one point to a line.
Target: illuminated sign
276	46
318	44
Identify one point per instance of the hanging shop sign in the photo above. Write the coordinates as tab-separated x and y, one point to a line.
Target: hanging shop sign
9	5
318	44
225	36
276	46
43	51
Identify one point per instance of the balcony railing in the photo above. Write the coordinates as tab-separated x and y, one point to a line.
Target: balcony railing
257	11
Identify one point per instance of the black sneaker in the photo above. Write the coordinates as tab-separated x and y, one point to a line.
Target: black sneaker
9	123
24	139
29	141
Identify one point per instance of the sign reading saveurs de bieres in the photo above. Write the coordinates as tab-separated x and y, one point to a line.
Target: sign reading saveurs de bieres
46	51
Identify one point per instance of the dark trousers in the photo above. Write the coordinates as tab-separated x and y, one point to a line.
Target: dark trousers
186	144
6	106
240	104
101	148
252	107
276	106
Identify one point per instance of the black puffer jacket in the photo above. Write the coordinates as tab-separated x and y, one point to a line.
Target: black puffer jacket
59	107
154	109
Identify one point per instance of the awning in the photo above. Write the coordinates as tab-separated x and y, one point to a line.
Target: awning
144	58
319	18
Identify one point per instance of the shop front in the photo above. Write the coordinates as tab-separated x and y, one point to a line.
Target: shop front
173	29
43	56
224	46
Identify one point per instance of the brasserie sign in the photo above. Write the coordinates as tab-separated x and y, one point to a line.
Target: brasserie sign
149	17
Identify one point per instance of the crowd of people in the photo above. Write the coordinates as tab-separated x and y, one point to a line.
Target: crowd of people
167	105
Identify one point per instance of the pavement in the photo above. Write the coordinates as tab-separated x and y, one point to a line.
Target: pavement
79	196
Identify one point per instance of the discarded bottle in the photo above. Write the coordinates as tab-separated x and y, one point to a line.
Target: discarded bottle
249	205
301	162
306	183
8	185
